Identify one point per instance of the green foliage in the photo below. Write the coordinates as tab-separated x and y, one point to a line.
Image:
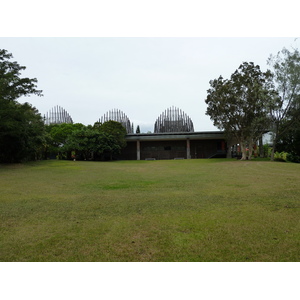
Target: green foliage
90	144
282	156
286	113
116	130
57	136
12	86
22	135
98	142
290	140
293	158
267	150
60	132
81	142
241	104
22	132
114	138
138	129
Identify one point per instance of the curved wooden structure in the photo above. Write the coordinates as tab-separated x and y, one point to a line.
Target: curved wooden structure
57	115
173	120
117	116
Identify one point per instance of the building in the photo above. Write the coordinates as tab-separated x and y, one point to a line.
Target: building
175	145
173	138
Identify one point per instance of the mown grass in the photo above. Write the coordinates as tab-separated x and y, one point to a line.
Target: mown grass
182	210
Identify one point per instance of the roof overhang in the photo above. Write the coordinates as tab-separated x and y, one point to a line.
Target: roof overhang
205	135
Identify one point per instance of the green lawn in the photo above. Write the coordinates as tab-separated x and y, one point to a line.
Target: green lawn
176	210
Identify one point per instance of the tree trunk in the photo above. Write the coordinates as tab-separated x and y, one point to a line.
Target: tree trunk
228	152
250	150
261	147
273	147
272	153
244	151
274	141
229	148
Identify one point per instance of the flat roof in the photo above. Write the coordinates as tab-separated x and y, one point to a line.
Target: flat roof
203	135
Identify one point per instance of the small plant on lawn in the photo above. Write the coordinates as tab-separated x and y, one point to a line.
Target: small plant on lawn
280	156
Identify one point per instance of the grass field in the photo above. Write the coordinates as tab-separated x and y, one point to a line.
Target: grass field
176	210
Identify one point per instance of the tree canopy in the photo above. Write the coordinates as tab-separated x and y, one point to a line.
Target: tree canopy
12	86
285	115
98	142
240	105
21	126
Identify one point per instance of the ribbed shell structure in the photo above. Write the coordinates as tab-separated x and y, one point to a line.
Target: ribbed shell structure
117	116
57	115
173	120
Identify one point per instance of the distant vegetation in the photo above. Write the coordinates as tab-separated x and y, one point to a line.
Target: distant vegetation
76	141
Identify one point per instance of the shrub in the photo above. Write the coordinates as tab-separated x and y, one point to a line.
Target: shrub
267	150
293	158
282	156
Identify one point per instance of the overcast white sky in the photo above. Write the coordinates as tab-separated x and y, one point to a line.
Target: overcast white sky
140	76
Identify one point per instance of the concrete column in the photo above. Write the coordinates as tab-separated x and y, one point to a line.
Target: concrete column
138	150
188	149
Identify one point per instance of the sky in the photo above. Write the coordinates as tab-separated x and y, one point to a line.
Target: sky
141	76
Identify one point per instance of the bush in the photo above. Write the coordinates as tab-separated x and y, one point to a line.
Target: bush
293	158
267	151
282	156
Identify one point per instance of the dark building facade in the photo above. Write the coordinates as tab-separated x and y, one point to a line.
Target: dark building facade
180	145
174	138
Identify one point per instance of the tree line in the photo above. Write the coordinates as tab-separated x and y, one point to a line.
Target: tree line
77	141
247	105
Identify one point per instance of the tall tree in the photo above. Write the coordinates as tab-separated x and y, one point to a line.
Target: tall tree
96	142
290	141
57	136
22	132
12	86
240	105
84	141
21	126
286	73
115	133
116	130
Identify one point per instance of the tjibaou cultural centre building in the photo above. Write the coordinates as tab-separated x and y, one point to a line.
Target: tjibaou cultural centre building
173	138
